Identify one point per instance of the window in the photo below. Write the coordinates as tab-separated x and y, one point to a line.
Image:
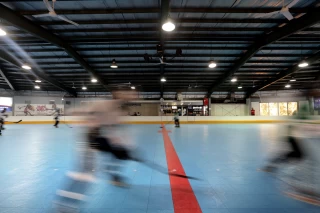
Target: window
292	108
273	109
283	108
6	102
264	109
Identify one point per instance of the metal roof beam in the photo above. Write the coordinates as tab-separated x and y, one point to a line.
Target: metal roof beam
168	68
12	60
295	25
22	23
240	37
155	21
170	61
284	74
244	73
144	38
121	73
110	42
178	40
140	56
154	77
184	37
190	47
151	29
173	10
4	76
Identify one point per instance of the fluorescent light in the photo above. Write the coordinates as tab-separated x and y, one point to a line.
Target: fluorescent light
287	86
233	80
293	79
2	32
163	79
37	81
303	64
26	67
212	64
37	87
133	87
84	88
239	87
94	80
114	64
168	26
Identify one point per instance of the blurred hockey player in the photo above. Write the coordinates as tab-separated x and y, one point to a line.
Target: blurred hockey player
176	119
101	121
299	165
57	118
2	116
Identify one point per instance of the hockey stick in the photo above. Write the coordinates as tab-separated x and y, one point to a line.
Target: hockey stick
17	122
64	116
66	123
165	124
122	153
14	122
161	169
164	170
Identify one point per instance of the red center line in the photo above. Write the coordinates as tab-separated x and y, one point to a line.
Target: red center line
184	199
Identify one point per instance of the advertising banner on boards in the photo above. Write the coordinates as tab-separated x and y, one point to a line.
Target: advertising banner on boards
38	109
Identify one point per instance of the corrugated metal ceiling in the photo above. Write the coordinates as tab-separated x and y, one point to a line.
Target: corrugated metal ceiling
127	36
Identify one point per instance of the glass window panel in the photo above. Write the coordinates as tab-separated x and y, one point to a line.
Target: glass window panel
273	109
264	109
292	108
283	108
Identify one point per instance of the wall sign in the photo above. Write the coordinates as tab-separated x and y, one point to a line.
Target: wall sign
37	109
317	104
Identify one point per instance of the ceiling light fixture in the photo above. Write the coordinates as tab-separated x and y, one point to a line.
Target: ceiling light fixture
239	87
84	88
233	79
94	80
303	64
292	79
212	64
62	99
287	86
163	79
26	67
133	87
37	87
37	81
168	26
114	64
2	32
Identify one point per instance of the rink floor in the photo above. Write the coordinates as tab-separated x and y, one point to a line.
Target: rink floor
34	159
